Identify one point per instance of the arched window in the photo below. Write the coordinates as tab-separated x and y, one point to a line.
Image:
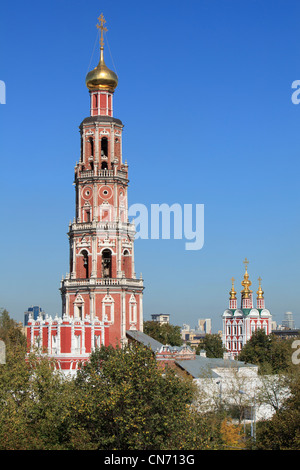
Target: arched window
104	147
106	263
90	147
79	307
85	256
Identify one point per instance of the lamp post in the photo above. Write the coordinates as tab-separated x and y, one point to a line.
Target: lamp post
253	414
220	394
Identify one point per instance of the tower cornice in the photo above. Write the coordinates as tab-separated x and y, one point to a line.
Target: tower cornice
101	119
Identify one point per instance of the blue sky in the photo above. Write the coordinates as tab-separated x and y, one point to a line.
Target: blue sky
205	96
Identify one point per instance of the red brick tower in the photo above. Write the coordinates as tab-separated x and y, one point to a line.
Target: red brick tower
102	281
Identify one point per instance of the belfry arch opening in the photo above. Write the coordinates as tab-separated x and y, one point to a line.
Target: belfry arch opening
106	263
104	147
90	147
85	257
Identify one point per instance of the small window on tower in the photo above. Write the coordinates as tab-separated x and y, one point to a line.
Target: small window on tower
95	101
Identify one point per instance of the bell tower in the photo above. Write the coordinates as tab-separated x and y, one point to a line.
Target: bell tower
102	282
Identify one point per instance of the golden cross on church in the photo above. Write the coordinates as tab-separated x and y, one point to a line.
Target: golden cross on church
103	29
246	262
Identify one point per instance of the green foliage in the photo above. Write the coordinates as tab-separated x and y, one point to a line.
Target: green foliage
164	333
269	352
10	331
212	344
121	400
129	403
282	432
31	395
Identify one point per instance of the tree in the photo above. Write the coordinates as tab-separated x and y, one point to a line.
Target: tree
129	403
32	395
232	435
10	331
124	400
282	431
212	344
267	351
32	399
164	333
257	349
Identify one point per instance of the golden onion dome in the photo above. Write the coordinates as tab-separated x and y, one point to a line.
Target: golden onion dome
101	77
260	292
246	283
232	292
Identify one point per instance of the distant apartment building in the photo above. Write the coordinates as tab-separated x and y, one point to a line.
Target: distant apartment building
288	322
161	318
287	329
205	325
35	312
195	336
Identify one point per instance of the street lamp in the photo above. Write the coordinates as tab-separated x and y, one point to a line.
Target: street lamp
220	394
253	414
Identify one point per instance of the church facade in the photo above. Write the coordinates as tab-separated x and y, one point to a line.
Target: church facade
239	323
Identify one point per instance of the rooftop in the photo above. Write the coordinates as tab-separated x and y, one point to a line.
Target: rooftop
202	367
197	366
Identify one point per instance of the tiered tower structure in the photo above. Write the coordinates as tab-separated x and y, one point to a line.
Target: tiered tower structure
240	323
102	281
101	296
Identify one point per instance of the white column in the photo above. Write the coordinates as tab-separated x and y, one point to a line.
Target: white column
96	144
67	304
123	317
92	335
112	144
72	338
73	275
82	338
132	262
58	339
92	305
141	312
50	337
94	257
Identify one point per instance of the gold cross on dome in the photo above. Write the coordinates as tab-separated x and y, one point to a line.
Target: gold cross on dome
246	262
232	280
103	29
